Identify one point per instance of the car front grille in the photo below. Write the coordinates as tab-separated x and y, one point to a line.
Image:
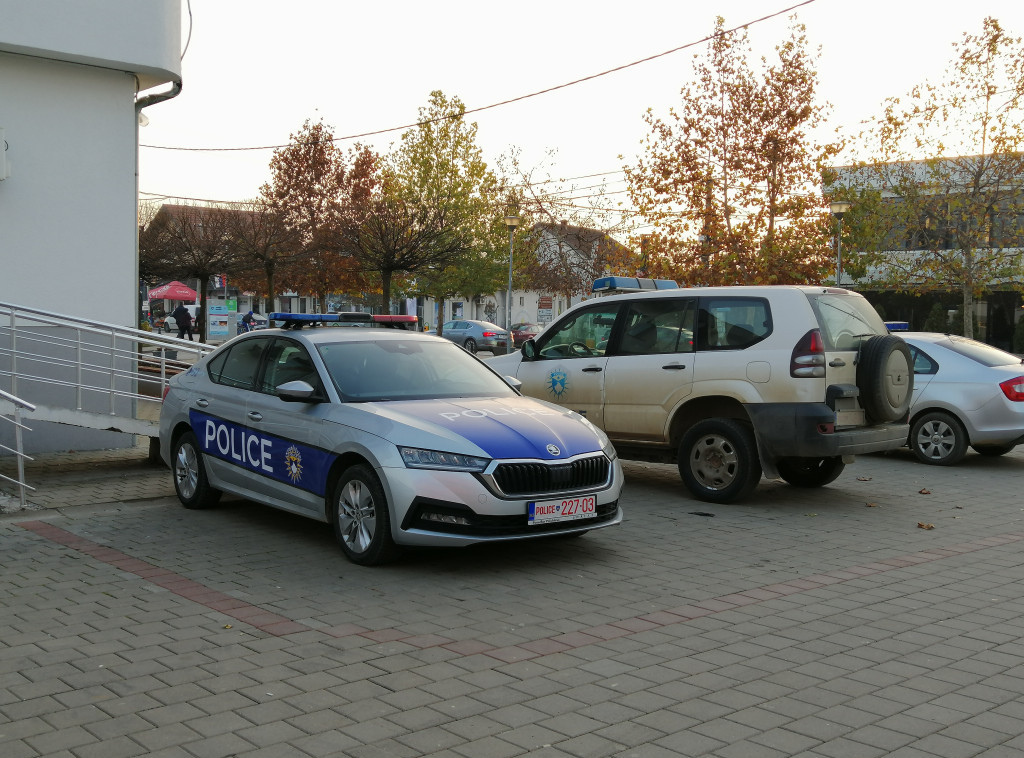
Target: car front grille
532	478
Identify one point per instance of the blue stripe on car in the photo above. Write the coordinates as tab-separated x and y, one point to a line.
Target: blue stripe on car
280	459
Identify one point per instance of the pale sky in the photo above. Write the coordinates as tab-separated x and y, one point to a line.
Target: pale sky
254	70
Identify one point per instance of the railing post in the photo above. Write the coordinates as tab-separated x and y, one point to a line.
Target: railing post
19	454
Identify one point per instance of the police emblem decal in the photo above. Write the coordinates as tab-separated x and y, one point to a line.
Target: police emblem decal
293	463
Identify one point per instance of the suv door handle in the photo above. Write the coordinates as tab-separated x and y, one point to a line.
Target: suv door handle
675	366
837	363
592	369
255	416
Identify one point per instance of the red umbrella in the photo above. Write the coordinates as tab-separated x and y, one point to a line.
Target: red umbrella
172	291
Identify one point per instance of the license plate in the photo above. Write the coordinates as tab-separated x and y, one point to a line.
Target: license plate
567	509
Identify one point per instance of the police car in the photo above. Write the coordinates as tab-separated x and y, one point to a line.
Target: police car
395	437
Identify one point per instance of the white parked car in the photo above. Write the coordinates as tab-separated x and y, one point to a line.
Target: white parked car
966	394
727	382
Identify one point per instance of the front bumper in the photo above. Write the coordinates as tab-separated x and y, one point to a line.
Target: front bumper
419	497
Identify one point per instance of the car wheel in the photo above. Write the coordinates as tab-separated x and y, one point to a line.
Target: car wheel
718	460
190	481
810	472
993	450
470	344
885	376
362	520
938	438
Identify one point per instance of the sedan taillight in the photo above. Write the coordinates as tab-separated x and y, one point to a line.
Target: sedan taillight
493	334
808	359
1013	389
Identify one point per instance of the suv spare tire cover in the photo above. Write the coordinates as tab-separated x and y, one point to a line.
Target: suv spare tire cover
885	376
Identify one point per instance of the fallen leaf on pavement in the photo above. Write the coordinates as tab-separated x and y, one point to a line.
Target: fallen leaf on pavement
863	478
871	505
922	525
925	492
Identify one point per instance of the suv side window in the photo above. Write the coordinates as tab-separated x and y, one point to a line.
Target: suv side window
583	335
732	323
653	326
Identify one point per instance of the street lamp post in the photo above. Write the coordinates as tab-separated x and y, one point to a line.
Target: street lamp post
838	208
511	222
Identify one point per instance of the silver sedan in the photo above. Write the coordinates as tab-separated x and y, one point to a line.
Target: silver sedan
966	393
394	437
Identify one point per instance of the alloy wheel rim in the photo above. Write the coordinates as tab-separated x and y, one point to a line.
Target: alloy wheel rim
356	516
186	471
936	440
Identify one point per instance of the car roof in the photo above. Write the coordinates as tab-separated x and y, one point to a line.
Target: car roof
327	334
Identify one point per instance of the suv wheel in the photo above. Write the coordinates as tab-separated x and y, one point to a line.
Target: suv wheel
810	472
885	375
718	460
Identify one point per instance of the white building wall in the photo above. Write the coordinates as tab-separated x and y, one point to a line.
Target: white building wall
69	74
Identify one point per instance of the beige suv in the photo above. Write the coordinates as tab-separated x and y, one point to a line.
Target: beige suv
727	382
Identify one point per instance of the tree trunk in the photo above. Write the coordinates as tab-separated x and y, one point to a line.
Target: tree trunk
968	294
385	292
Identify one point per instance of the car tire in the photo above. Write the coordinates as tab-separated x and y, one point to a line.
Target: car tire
885	376
362	518
810	472
718	460
470	344
993	451
189	473
938	438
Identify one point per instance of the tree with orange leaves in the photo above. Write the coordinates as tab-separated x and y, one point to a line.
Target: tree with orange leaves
731	179
313	187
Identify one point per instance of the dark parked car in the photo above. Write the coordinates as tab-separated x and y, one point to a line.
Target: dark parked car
523	332
476	335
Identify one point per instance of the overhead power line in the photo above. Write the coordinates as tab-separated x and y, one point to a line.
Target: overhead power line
555	88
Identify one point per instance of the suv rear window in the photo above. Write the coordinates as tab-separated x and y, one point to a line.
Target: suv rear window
846	320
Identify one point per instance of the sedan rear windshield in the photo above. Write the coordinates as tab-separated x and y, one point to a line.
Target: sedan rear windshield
984	354
408	370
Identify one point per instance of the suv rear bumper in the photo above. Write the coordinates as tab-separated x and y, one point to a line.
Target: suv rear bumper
786	430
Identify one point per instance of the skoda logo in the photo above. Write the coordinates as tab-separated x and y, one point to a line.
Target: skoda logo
553	449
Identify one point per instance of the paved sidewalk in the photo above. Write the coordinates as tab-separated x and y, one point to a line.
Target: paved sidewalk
881	616
87	478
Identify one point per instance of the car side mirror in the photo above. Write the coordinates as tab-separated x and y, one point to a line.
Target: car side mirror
297	391
529	349
512	382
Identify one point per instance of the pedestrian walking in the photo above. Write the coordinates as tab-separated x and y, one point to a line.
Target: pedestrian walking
184	321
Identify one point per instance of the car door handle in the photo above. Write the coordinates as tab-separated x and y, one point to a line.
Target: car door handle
837	363
202	403
675	366
255	416
592	369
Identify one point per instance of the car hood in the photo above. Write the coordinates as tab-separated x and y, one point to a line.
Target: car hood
506	427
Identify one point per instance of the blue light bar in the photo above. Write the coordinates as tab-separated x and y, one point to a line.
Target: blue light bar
609	284
298	320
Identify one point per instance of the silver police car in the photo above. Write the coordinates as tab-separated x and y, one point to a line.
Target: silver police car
394	437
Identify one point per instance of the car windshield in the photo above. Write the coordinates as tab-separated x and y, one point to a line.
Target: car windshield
846	320
408	370
984	354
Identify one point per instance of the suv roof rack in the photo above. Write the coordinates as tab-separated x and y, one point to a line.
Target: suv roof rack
356	318
611	285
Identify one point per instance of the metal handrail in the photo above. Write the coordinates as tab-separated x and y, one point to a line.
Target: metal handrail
87	368
18	449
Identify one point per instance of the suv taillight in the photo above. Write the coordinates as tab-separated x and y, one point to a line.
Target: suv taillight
1013	389
808	359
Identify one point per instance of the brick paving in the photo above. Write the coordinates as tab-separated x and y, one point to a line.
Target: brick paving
811	623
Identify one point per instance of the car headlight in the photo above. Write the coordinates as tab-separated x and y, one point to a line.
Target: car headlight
415	457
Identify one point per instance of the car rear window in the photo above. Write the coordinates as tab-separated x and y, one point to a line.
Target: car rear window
846	319
984	354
